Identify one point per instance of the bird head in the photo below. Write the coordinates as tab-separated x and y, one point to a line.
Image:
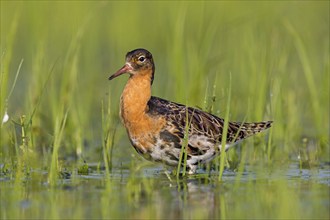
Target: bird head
138	61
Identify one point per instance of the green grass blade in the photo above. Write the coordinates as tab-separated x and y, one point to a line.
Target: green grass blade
224	132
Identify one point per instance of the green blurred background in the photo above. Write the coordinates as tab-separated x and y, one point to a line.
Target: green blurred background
276	52
62	52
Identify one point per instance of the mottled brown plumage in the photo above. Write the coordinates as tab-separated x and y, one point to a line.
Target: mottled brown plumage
156	127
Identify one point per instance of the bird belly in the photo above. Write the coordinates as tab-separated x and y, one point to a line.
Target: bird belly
202	149
156	150
166	154
159	149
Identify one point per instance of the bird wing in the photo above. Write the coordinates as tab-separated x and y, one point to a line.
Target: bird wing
201	123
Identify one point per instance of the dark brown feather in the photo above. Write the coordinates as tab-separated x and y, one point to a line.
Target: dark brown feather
202	123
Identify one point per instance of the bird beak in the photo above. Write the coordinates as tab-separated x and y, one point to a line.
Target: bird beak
125	69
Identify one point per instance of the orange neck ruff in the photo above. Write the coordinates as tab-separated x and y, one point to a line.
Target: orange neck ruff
133	107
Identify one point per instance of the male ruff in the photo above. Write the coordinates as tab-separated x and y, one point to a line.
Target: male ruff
156	127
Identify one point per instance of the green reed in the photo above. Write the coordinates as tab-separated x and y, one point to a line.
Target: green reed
184	148
108	134
225	132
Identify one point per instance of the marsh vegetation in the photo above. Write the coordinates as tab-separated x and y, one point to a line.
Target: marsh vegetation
64	153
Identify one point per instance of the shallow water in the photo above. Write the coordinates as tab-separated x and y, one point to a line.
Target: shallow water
283	193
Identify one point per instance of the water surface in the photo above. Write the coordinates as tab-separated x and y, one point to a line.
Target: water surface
286	192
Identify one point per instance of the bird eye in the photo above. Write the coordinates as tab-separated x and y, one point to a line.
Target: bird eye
141	58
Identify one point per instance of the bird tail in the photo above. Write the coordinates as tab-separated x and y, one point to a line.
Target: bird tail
244	130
